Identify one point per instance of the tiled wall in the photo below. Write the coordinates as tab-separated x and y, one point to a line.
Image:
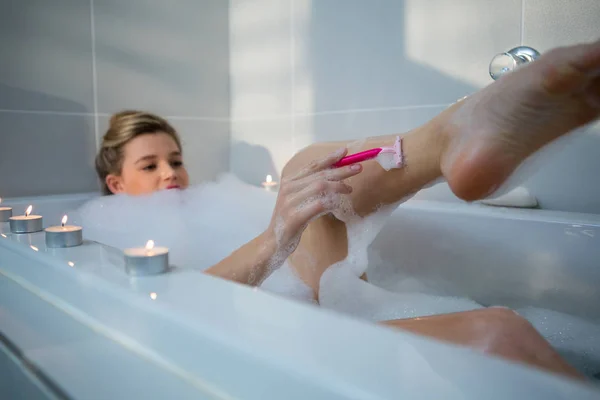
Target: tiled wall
276	75
318	70
67	65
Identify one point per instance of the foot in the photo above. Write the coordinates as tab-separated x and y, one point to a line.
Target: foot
493	131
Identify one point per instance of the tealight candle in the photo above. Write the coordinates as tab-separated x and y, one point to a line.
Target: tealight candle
147	260
64	235
269	184
26	223
5	213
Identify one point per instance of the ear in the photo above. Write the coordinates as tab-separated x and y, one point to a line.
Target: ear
114	183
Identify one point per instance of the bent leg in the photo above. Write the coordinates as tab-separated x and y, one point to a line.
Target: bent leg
494	331
475	144
324	242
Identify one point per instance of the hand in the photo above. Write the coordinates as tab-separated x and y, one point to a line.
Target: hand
314	191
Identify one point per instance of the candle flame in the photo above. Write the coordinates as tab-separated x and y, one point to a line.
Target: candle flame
34	248
150	245
269	179
28	211
64	220
71	264
153	295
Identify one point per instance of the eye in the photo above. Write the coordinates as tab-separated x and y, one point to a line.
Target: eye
150	167
176	164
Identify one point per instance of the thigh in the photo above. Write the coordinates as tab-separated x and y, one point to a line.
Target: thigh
324	242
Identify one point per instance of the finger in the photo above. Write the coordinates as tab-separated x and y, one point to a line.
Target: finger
310	212
319	165
335	174
314	209
319	189
338	174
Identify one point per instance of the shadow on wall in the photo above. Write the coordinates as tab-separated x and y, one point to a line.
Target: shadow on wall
262	163
11	98
356	58
57	150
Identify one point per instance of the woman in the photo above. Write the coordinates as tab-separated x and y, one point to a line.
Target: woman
141	153
475	144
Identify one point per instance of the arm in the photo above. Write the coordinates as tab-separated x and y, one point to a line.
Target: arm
304	196
250	264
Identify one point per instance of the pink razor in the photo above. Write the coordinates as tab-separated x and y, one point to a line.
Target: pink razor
372	153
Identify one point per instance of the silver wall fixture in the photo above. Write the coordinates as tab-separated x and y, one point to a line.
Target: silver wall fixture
504	63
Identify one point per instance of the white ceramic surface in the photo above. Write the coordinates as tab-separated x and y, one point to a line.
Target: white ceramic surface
80	319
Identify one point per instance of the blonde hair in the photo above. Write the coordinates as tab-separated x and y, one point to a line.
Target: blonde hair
124	127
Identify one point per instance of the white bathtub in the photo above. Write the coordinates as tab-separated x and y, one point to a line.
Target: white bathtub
74	325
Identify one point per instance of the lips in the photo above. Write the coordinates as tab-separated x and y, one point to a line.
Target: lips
173	187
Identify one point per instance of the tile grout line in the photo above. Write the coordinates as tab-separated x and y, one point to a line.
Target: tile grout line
94	77
42	112
376	109
230	85
241	119
293	75
522	20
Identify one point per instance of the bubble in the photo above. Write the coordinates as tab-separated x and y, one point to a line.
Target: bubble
200	225
285	282
341	290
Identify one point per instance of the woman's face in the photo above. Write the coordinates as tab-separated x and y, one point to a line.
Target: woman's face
151	162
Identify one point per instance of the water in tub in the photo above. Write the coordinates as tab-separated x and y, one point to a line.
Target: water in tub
205	223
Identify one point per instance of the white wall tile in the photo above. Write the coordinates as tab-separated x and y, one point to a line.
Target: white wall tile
260	48
388	53
205	146
46	49
554	23
172	59
359	125
47	154
260	148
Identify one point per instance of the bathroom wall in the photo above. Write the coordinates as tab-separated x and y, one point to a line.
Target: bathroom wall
67	65
304	71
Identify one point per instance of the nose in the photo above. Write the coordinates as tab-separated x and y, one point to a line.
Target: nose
167	172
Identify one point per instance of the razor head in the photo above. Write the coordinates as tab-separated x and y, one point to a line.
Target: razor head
398	156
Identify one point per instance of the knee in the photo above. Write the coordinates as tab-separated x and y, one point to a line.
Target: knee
296	162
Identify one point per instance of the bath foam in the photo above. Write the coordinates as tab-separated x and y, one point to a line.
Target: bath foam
283	281
200	225
342	290
576	339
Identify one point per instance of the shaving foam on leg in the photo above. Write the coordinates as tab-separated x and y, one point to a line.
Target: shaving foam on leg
391	157
386	160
